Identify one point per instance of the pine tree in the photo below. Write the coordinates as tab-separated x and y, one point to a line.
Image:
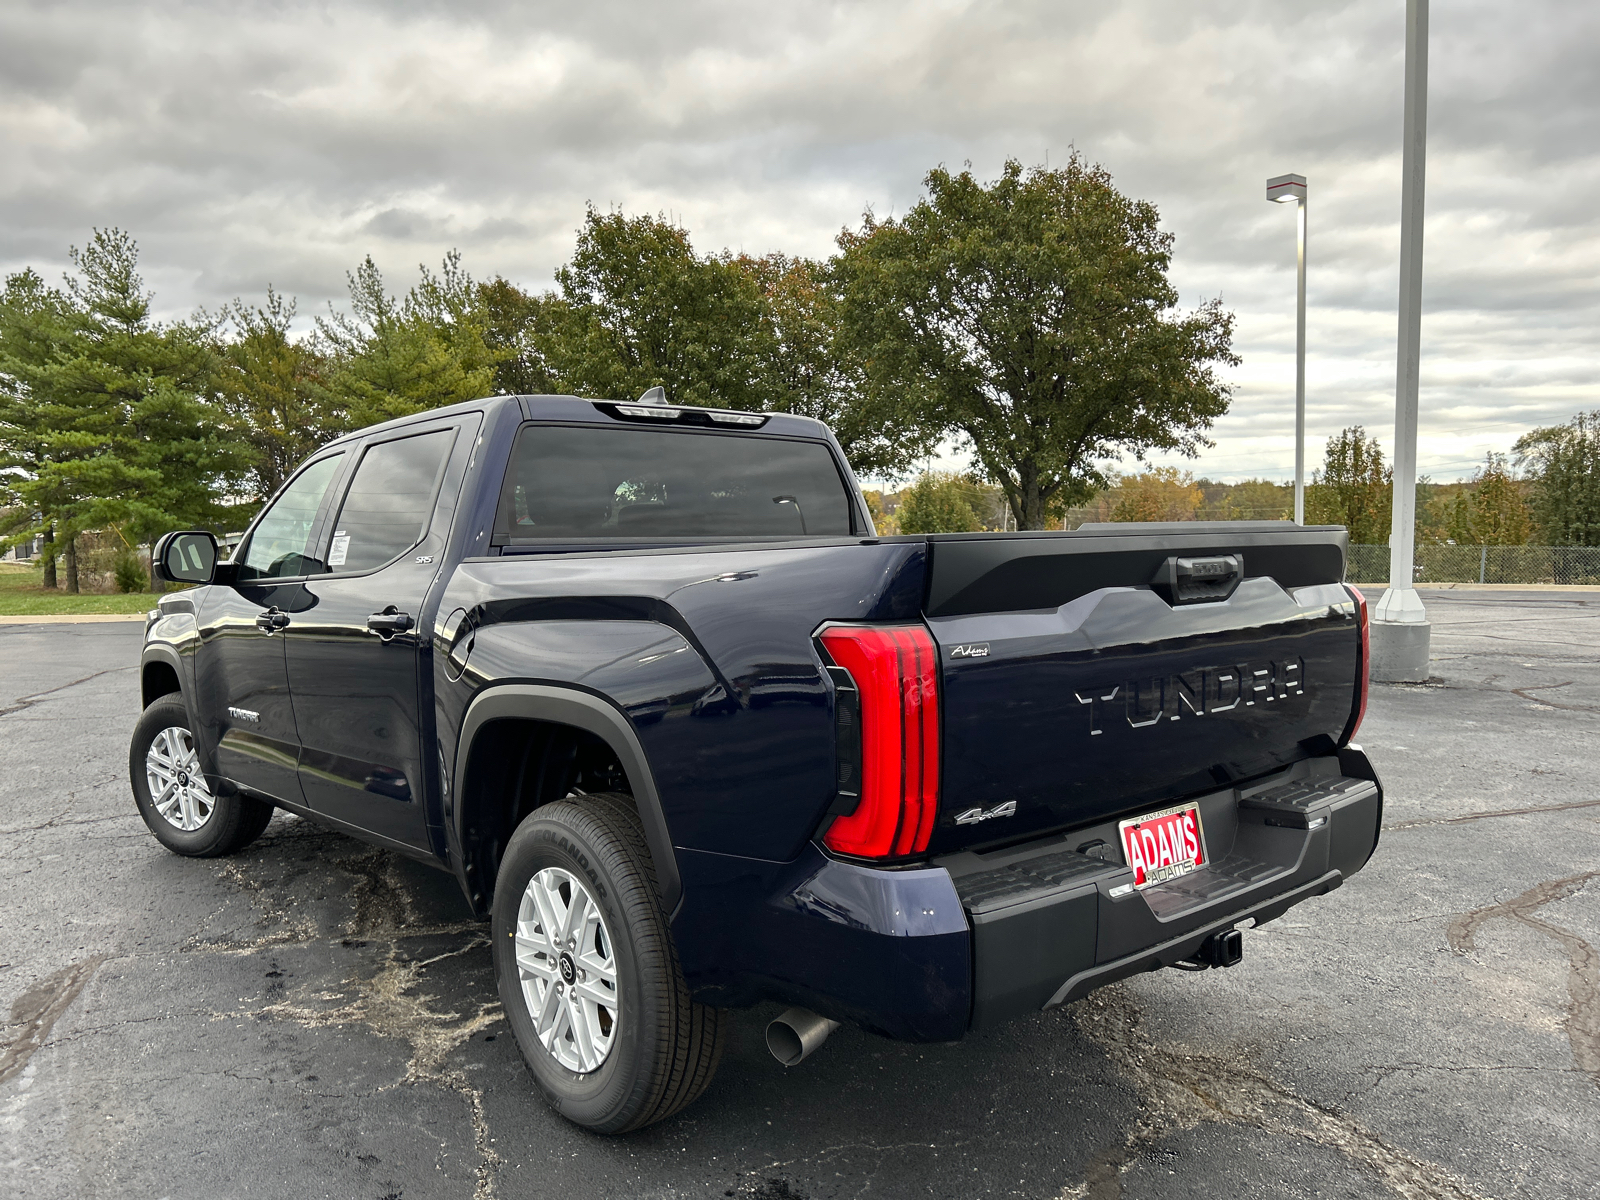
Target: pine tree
35	322
394	356
275	390
112	408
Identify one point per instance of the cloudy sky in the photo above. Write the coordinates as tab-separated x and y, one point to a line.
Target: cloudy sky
248	144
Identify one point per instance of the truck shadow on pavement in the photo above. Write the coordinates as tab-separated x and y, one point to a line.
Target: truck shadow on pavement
372	985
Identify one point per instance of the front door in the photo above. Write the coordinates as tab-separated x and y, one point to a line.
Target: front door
241	679
353	655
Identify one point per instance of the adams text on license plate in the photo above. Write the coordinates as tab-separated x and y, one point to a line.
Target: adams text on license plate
1163	845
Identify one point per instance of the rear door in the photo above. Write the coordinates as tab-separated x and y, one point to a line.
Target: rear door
1102	674
353	655
241	681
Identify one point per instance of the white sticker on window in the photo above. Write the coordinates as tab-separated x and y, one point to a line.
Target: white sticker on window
341	547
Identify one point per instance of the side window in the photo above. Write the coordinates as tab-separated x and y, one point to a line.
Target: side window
278	547
390	500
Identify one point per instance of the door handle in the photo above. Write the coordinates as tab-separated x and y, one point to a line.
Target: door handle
272	620
389	622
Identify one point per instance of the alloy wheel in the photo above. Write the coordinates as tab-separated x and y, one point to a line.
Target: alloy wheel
568	969
178	789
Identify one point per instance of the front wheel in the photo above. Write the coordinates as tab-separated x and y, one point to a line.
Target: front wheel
174	797
589	975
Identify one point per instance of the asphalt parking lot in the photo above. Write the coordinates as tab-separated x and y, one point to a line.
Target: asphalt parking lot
316	1018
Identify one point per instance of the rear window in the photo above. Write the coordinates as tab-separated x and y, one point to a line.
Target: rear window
655	483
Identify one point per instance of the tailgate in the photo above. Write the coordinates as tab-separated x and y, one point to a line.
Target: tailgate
1105	671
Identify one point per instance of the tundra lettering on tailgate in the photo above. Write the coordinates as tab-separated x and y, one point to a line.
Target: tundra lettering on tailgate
1197	693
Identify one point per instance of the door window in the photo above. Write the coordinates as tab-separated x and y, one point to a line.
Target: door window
390	501
280	544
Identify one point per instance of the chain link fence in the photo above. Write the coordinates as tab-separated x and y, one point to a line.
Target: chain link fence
1481	564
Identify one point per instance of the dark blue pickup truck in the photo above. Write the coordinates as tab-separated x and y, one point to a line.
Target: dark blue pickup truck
693	737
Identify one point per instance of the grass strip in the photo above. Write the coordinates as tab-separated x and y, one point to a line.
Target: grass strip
23	595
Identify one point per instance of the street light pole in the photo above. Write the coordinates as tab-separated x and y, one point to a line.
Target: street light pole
1400	629
1291	189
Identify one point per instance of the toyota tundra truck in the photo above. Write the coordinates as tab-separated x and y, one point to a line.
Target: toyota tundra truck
692	737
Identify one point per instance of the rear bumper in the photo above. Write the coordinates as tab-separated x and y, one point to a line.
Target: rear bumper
1153	958
1050	924
973	940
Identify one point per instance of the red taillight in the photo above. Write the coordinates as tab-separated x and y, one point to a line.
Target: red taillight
1364	667
896	671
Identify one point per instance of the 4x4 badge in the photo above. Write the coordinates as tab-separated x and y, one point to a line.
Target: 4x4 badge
973	815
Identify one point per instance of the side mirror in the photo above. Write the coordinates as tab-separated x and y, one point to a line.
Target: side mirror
189	557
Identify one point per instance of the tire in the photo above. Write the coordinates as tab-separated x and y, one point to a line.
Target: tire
653	1050
188	818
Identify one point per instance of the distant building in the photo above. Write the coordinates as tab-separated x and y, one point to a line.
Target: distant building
24	551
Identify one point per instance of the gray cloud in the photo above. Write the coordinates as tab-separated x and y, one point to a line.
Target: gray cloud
281	142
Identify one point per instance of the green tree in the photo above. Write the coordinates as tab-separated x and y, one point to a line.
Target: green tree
394	356
275	390
1434	506
523	332
1253	500
1490	510
1353	488
35	320
938	502
112	408
805	366
642	309
1564	461
639	307
1033	317
1159	494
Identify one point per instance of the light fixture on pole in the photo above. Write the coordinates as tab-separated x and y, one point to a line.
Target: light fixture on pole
1400	630
1291	189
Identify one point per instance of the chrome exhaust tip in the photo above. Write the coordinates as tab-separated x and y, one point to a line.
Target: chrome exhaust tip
793	1035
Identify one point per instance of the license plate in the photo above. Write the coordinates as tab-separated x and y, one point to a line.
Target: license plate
1163	845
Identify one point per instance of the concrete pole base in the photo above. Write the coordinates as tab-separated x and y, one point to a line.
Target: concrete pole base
1400	651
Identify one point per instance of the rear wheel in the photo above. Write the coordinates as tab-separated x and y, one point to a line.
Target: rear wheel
588	973
174	797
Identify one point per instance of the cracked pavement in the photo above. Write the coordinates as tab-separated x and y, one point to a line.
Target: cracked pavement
314	1017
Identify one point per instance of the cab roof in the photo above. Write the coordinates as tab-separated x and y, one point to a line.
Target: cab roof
602	412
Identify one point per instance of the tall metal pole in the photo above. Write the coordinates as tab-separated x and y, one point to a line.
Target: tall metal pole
1300	374
1286	189
1400	631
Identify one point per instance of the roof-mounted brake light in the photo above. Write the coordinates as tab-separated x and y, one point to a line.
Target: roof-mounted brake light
653	410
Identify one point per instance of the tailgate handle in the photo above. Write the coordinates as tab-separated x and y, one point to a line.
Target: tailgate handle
1198	580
